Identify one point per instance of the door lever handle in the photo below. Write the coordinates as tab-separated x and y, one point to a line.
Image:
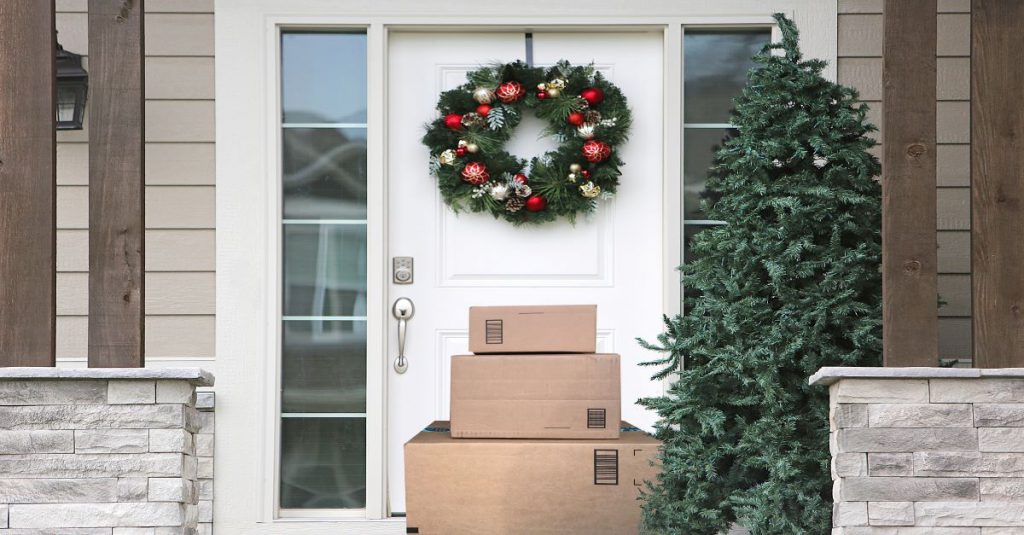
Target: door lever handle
402	310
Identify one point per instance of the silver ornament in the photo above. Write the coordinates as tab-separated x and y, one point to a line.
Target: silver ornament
473	119
483	95
585	131
499	192
447	157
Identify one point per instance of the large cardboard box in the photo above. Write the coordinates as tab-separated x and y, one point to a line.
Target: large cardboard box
533	329
535	396
456	486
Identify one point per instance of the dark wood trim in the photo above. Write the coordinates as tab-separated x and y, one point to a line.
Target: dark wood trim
909	258
28	183
116	184
997	178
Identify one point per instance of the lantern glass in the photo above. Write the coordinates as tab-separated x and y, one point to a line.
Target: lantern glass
72	89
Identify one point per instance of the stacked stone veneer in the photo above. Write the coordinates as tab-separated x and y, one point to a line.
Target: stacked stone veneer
111	452
926	451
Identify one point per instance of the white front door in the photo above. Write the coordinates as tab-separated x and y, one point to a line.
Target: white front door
614	259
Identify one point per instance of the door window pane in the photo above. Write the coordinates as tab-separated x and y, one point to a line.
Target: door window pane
324	173
323	463
715	65
323	77
324	270
323	368
323	248
699	148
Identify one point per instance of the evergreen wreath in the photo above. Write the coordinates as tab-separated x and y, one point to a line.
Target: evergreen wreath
585	113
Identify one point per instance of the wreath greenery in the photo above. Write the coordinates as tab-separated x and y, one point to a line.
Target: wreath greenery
585	113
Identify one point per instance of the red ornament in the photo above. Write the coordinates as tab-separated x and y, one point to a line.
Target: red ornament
536	203
483	109
593	95
453	121
475	173
510	92
595	151
585	173
520	178
460	151
541	95
576	118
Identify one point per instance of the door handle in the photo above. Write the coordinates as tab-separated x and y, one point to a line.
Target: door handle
402	310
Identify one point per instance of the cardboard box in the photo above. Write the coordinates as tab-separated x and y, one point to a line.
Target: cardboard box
456	486
535	396
533	329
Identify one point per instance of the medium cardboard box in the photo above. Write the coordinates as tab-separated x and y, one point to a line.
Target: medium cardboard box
456	486
533	329
535	396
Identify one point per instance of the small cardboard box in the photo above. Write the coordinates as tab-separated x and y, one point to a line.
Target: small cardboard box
535	396
456	486
533	329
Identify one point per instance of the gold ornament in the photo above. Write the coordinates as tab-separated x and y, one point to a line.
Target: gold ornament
590	190
575	168
472	147
572	177
557	83
585	131
447	157
483	95
553	93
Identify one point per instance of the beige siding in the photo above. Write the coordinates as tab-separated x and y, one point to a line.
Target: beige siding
860	65
180	193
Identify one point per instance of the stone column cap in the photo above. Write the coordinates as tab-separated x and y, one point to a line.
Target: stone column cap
196	376
830	374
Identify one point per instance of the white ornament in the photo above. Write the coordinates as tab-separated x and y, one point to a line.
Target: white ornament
776	163
472	147
447	157
585	131
483	95
820	161
499	192
572	177
575	168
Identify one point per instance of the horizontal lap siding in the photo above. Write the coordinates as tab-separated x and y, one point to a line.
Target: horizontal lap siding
180	192
860	66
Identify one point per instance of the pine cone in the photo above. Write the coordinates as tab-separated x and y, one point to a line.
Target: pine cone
514	204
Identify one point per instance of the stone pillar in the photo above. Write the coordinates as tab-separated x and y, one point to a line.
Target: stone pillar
99	451
917	451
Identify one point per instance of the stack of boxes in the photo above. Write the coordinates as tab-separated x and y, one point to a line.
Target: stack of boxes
535	443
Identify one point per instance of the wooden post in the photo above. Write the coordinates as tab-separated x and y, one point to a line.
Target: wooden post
28	183
909	263
116	184
997	183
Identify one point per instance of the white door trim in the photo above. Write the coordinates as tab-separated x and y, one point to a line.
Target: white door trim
248	227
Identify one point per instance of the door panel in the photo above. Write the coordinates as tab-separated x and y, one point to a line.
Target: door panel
612	259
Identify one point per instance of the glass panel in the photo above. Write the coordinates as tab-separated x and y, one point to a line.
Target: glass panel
323	463
323	367
699	148
324	270
716	64
324	173
323	77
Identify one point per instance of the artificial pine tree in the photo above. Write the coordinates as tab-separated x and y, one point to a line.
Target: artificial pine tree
790	284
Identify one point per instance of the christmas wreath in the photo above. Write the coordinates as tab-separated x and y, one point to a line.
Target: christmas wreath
585	113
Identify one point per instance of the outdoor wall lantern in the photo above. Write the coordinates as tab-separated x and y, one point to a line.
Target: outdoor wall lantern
72	88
